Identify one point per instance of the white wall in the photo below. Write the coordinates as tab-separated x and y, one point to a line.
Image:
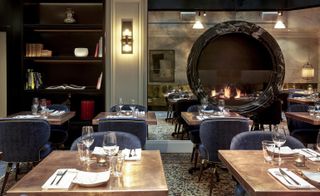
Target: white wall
3	75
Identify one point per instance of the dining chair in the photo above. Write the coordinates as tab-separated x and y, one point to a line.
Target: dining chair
137	127
216	134
305	132
251	140
170	105
59	133
124	140
23	140
127	107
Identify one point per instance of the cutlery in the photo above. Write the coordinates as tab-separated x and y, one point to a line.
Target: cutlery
59	173
130	153
313	153
306	151
61	176
285	175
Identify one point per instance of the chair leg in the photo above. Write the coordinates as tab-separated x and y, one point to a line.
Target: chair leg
201	170
192	154
214	173
17	171
196	155
9	167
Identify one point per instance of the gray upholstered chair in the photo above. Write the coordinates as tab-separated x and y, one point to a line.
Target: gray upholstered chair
127	107
137	127
124	140
305	132
216	134
23	140
252	141
59	133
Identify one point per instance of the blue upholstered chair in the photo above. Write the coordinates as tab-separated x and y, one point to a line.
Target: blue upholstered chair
137	127
216	134
252	141
23	140
124	140
305	132
59	133
127	107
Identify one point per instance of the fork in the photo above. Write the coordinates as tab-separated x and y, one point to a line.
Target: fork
59	173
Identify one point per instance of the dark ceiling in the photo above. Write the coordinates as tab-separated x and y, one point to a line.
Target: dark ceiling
231	5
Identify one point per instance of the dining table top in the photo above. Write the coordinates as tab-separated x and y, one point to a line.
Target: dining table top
251	171
301	100
150	117
144	177
192	120
52	120
304	117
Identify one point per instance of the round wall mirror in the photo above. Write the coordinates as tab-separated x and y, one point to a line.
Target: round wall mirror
239	62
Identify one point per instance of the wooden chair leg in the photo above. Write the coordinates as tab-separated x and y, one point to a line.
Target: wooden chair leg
201	170
17	171
196	155
8	170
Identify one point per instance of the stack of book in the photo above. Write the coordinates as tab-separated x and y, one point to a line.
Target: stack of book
33	80
36	50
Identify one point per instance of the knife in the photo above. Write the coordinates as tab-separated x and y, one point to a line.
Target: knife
65	171
313	153
286	175
307	151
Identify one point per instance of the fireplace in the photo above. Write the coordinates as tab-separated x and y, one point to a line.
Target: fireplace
239	62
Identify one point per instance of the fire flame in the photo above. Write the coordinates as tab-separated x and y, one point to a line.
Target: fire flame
227	92
238	93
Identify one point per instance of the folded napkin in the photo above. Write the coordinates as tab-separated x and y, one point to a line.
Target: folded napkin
287	181
65	181
27	116
309	153
285	150
132	154
57	113
91	178
100	151
119	116
313	176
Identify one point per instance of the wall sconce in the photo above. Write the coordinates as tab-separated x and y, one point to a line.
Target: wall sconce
198	24
307	71
126	37
280	24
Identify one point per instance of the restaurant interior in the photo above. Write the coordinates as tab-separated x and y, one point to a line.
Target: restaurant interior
170	97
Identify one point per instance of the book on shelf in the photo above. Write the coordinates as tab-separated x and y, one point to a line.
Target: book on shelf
37	50
100	52
66	87
99	82
97	50
33	80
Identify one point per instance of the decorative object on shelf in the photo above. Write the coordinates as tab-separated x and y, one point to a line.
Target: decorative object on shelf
69	16
99	81
307	71
81	52
126	36
33	80
161	65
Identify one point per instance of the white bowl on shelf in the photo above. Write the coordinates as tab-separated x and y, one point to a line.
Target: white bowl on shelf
81	52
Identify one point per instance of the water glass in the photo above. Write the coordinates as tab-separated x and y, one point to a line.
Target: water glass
81	151
133	105
87	140
311	110
117	164
268	150
35	106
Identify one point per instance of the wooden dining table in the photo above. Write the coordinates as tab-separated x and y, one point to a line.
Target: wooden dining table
144	177
304	117
251	171
150	117
192	120
52	120
301	100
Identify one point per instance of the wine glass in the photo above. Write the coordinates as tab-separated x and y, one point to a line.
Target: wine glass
87	139
35	105
279	138
109	144
120	104
43	106
221	104
133	105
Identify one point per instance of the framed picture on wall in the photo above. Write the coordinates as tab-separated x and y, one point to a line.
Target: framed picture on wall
161	65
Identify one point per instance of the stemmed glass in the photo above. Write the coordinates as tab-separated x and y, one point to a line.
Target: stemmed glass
279	138
87	140
109	144
35	105
204	105
221	105
120	104
133	105
43	106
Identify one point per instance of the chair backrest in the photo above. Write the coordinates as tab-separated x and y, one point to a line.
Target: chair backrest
124	140
296	124
137	127
216	134
21	140
251	140
270	115
127	107
60	107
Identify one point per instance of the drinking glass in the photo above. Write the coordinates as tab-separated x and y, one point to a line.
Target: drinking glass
221	105
109	144
279	138
43	106
318	141
120	104
87	139
133	105
204	103
35	106
268	150
311	110
317	108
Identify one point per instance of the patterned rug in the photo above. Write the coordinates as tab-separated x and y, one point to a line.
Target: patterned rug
163	129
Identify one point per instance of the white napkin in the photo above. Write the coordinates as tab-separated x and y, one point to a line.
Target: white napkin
285	150
65	181
309	153
209	117
119	116
135	154
27	116
57	113
91	178
303	184
313	176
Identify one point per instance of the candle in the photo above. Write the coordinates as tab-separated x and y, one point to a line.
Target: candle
300	160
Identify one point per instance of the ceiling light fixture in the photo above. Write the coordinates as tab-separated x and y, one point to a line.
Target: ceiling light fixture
279	24
198	24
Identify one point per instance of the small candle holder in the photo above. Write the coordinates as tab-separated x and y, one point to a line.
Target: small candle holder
101	160
300	160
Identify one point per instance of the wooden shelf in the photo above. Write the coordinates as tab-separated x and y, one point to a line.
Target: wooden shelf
64	59
64	27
